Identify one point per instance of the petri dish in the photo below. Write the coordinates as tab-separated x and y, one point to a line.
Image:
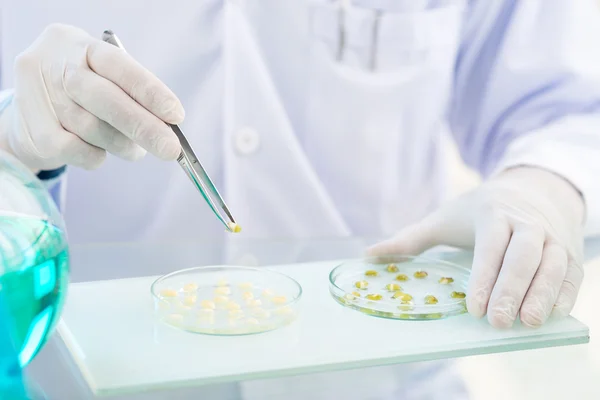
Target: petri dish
226	300
401	287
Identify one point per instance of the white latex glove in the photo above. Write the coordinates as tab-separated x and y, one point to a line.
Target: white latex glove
526	229
77	97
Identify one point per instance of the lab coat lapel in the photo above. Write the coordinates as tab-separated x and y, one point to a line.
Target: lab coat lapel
265	166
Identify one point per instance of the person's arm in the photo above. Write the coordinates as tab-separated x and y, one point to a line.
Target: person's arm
526	114
527	91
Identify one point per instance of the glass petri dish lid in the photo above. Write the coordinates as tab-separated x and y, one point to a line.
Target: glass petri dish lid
401	287
226	300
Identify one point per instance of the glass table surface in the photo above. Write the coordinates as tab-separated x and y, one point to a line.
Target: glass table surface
86	366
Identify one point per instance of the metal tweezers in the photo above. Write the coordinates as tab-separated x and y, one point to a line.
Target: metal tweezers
190	164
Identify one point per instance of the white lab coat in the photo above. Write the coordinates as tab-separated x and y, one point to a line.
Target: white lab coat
318	118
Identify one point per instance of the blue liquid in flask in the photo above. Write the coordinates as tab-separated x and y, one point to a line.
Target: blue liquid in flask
34	267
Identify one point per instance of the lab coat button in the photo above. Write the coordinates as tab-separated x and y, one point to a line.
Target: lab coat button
247	141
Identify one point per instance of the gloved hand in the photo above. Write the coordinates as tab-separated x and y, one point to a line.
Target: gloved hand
77	97
526	229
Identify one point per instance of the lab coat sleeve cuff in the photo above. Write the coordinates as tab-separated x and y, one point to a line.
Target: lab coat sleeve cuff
570	148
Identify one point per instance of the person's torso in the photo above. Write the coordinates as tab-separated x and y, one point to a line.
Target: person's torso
314	119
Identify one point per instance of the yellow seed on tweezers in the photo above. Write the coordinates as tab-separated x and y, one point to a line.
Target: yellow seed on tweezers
371	272
361	285
429	299
391	268
374	297
420	274
458	295
446	280
234	227
402	277
393	287
402	296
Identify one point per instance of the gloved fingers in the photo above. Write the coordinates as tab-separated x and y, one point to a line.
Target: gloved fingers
76	152
108	102
491	240
117	66
569	289
521	262
543	291
96	132
411	240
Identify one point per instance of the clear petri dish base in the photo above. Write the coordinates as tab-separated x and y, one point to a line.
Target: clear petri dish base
226	300
401	287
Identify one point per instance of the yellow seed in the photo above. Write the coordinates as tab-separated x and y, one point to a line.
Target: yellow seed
175	318
223	290
236	313
168	293
375	297
234	227
371	272
190	287
222	282
361	284
207	304
402	277
253	303
420	274
458	295
429	299
434	316
391	268
348	296
206	312
268	293
232	305
221	299
446	280
356	294
189	300
406	306
402	296
207	317
393	287
279	300
261	313
246	285
252	321
284	310
247	295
